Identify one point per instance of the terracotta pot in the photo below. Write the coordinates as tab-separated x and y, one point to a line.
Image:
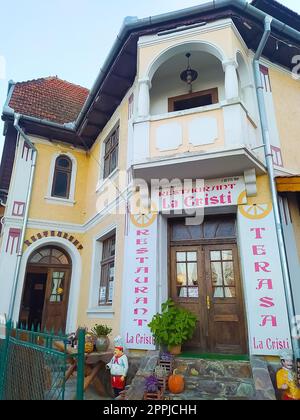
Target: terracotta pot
175	350
102	344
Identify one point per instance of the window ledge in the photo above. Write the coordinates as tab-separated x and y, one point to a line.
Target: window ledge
101	311
102	183
60	201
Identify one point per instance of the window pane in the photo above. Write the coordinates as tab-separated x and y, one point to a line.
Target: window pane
102	298
218	292
113	161
192	256
57	292
210	227
108	145
61	184
215	256
228	273
106	167
227	255
181	256
107	272
113	247
110	291
182	292
216	272
192	274
193	292
181	274
36	258
182	232
64	163
226	229
230	292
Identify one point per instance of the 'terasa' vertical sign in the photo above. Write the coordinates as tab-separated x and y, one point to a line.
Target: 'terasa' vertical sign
265	296
140	285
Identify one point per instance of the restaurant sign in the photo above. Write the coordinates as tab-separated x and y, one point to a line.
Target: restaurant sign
191	195
140	293
263	281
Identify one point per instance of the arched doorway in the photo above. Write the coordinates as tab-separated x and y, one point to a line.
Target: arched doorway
46	289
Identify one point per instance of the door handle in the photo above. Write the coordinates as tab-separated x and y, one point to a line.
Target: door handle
208	302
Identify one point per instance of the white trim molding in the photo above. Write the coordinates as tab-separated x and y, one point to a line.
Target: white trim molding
75	277
56	200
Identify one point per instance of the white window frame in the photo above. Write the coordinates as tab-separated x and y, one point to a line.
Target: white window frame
57	200
112	176
95	310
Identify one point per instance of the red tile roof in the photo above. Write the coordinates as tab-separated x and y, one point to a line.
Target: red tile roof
49	98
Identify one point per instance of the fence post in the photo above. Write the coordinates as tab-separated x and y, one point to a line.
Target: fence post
80	365
3	358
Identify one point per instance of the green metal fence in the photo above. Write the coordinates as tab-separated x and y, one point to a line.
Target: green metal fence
34	364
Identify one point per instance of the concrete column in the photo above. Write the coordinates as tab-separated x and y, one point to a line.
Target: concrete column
144	98
231	79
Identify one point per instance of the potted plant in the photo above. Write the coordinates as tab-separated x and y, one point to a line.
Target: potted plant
173	326
152	391
101	333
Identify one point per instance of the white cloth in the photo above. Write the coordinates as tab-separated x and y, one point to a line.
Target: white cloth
118	366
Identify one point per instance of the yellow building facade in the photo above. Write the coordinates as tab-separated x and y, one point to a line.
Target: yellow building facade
75	251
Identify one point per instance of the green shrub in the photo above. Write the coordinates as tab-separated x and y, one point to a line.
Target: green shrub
173	326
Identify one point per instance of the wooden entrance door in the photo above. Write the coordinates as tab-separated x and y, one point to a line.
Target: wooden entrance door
205	279
53	266
56	299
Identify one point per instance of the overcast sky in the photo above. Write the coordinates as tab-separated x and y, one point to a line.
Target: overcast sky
68	38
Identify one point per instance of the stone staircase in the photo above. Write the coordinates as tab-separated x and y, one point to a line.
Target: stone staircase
215	380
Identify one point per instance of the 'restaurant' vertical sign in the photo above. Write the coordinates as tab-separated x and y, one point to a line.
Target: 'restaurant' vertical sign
140	285
265	296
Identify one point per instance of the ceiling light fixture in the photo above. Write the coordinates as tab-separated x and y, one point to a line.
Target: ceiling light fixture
189	75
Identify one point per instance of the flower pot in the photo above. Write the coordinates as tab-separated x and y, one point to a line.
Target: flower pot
175	350
102	344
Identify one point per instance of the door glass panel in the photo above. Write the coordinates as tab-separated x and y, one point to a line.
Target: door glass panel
187	274
57	287
227	255
181	256
222	274
216	271
230	292
192	274
181	274
182	232
228	273
218	292
192	256
215	255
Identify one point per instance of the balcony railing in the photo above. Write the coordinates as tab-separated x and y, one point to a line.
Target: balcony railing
225	125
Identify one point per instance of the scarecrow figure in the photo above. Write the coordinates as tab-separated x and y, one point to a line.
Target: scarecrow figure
286	378
118	367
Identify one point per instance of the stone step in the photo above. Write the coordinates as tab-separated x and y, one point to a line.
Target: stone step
226	389
213	369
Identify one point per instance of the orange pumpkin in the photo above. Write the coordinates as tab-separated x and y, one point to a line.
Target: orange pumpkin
176	383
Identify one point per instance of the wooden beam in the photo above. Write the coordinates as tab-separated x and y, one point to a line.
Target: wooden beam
288	184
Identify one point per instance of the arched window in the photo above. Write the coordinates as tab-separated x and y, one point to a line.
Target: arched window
49	256
62	177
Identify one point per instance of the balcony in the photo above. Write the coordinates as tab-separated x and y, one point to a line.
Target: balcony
177	122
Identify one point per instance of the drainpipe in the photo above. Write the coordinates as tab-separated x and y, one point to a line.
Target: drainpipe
271	173
25	220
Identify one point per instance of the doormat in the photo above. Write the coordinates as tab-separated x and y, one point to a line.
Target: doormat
210	356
